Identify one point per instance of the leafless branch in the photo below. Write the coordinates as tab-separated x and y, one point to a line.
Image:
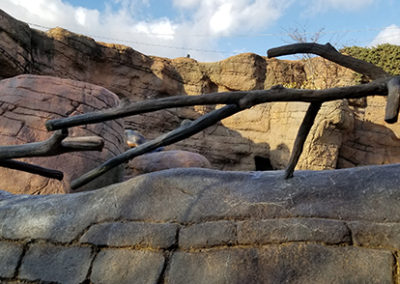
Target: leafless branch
327	51
33	169
57	144
249	98
301	137
163	140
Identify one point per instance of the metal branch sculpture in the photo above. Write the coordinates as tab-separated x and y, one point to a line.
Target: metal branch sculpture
383	84
57	144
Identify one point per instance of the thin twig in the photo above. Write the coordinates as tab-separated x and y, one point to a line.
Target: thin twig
301	137
33	169
163	140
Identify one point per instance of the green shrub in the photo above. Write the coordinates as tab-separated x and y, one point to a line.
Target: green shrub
386	56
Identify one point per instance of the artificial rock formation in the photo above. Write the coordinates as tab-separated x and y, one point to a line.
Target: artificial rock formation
158	161
27	102
338	138
207	226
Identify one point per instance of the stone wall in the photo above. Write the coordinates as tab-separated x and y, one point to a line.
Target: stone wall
206	226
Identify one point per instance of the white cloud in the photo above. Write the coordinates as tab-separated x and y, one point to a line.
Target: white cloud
227	17
390	34
204	23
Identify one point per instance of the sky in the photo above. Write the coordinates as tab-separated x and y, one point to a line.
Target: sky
211	30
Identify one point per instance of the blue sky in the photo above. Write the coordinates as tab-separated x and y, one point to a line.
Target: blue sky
211	30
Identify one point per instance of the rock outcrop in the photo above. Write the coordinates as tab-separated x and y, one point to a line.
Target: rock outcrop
158	161
266	131
206	226
27	102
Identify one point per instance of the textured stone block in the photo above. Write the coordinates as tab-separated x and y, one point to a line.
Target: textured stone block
48	262
122	266
294	263
132	234
379	235
292	230
207	235
10	254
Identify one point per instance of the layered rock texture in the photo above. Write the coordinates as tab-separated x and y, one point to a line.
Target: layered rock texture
27	102
346	133
207	226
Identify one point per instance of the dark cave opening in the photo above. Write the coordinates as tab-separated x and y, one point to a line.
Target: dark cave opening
263	164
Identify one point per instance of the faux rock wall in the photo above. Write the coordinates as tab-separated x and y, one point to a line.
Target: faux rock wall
266	131
27	102
205	226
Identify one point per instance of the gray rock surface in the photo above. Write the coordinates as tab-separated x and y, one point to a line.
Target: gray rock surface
126	267
132	234
10	253
62	264
207	226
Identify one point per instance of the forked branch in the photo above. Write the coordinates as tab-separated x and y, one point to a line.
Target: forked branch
57	144
163	140
242	98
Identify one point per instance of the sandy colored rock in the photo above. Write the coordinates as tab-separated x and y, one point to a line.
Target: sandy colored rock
27	102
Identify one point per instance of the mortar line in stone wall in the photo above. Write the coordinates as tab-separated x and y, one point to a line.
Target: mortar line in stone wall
168	253
395	268
25	249
95	253
274	244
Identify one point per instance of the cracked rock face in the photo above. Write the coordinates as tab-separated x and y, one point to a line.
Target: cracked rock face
206	226
27	102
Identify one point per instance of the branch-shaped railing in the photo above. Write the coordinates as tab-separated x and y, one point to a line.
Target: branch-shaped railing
383	84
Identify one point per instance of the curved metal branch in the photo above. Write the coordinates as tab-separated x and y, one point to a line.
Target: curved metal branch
243	98
57	144
327	51
163	140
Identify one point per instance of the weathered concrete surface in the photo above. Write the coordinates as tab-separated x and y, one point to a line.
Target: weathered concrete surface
126	266
55	263
27	102
206	226
10	253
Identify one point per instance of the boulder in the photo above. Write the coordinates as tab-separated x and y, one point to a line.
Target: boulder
157	161
27	102
208	226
